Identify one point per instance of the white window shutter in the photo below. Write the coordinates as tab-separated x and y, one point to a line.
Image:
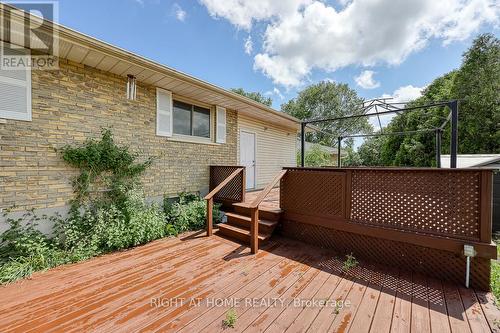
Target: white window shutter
221	125
164	112
15	92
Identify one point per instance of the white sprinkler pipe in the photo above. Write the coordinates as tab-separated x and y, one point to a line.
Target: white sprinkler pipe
468	253
467	272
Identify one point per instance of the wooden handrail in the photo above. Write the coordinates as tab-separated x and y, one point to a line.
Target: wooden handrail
262	195
223	183
210	197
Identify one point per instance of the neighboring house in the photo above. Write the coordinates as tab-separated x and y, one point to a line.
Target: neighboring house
490	161
473	161
186	123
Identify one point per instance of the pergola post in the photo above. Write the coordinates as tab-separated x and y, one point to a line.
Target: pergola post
438	147
302	143
454	133
339	144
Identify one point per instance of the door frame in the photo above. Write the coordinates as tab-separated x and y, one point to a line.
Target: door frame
254	156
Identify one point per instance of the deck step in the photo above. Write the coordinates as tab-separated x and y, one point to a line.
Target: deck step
266	213
239	233
243	221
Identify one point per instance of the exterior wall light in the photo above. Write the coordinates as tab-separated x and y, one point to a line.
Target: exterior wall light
131	87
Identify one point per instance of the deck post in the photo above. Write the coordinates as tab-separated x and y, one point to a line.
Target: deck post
302	143
339	144
243	184
210	203
254	230
454	134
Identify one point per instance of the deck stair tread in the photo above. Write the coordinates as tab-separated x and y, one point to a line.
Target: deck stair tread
240	233
239	222
261	208
237	216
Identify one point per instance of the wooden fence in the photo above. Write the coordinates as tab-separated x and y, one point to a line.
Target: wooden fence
418	219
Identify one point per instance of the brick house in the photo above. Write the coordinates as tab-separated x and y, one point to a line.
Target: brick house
186	123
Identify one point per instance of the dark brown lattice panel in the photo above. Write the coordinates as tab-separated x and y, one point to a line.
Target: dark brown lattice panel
233	191
313	192
440	202
435	263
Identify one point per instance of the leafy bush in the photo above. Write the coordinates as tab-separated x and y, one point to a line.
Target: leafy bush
495	273
99	221
104	164
189	213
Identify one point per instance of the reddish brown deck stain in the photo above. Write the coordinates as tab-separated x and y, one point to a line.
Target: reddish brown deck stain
113	292
344	323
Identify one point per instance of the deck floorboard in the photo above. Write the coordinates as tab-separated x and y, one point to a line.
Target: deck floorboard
190	283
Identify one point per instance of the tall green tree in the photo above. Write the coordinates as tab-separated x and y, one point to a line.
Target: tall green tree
256	96
476	84
329	100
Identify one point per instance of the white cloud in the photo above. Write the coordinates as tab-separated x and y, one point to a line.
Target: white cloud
401	95
302	35
274	92
365	80
405	94
180	13
278	93
243	13
140	2
248	45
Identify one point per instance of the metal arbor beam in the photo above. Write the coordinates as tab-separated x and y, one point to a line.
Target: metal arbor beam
438	147
454	133
302	143
339	144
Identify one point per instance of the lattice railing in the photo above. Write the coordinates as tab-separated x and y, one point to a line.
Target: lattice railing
437	202
234	191
429	201
417	219
317	192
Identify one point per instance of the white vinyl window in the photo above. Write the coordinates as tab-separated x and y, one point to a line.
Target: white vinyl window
15	92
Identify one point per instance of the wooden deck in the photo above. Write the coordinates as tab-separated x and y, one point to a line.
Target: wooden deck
188	284
271	201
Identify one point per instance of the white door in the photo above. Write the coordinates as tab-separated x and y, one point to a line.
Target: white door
247	156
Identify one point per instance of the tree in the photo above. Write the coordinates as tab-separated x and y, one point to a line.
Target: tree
329	100
476	85
352	158
316	156
256	96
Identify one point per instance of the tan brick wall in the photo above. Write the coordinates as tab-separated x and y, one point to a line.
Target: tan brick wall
73	104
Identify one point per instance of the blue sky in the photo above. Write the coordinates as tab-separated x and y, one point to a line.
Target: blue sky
206	39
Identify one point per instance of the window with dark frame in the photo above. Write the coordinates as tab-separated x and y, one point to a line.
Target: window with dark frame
192	120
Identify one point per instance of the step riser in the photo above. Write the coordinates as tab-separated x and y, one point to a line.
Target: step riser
238	236
263	214
245	224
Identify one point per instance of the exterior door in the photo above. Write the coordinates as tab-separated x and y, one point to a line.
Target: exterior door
247	156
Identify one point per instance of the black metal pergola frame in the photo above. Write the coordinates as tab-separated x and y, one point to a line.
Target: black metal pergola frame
390	108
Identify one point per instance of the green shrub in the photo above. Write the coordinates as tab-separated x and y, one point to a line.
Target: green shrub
99	221
189	213
495	273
